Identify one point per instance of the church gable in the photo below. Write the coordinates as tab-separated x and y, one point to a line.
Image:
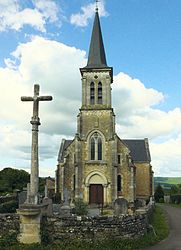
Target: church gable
137	149
63	147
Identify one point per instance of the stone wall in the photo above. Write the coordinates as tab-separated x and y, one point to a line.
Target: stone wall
94	229
143	188
9	224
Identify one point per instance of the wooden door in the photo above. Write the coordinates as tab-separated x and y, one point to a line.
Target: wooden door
96	194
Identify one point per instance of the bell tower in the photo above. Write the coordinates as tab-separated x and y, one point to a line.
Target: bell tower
97	77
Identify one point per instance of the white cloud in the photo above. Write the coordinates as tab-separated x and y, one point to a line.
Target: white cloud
87	12
167	157
55	68
48	8
137	115
14	17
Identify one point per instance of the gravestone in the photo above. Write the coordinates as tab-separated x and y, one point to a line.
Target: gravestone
22	196
65	209
120	207
48	206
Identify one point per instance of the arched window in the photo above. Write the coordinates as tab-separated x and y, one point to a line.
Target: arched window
74	182
119	183
99	93
96	147
92	93
99	149
92	148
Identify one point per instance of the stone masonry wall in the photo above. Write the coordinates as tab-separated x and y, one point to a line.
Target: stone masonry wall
94	229
9	224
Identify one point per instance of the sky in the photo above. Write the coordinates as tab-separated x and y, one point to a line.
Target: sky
47	41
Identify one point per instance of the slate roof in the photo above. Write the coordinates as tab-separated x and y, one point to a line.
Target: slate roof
64	145
97	56
138	150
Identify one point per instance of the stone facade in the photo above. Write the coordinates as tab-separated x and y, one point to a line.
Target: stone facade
97	165
144	180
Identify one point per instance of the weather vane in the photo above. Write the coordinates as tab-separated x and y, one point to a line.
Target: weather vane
97	5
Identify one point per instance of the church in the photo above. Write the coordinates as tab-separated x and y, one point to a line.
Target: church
97	165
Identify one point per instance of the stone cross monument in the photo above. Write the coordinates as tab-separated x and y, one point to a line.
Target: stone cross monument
35	121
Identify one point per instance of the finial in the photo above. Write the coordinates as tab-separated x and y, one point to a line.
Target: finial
97	5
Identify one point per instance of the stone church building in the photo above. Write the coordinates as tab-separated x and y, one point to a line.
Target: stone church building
97	165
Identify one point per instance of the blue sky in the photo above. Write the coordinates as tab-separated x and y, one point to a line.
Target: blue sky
46	41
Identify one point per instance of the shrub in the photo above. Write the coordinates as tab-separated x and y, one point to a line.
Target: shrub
161	200
80	207
9	207
175	198
159	193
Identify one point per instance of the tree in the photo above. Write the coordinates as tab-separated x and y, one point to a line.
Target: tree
11	179
159	193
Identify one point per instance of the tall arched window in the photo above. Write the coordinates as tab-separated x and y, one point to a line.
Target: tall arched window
92	93
74	182
99	93
119	185
96	147
99	149
92	148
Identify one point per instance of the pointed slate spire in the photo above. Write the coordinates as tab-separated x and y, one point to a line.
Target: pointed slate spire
97	56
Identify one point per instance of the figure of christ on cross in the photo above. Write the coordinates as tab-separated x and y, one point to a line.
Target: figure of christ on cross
35	121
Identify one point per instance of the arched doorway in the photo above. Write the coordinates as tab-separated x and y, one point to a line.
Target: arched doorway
96	194
97	188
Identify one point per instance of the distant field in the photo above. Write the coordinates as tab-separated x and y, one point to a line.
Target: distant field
167	182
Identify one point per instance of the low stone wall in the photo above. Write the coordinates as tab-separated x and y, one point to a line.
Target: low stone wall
82	228
9	223
94	229
8	198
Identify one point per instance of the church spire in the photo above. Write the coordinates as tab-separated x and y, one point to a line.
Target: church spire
97	56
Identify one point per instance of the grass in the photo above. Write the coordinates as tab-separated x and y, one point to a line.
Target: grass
175	205
158	222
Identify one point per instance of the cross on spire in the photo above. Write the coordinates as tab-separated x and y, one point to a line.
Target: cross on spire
97	5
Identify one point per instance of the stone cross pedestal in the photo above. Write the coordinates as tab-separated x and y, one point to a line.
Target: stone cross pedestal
35	121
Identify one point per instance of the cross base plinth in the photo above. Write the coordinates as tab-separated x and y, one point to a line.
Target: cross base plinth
30	220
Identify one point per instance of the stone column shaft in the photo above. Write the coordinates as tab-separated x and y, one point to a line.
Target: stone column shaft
62	182
34	178
115	187
105	194
76	182
83	91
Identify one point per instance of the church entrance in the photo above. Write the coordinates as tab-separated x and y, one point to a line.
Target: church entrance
96	194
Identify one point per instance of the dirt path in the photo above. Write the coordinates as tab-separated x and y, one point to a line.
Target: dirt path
173	242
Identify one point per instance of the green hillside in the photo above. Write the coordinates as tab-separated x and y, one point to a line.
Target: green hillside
167	182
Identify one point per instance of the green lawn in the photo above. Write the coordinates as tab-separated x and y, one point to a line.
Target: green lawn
159	224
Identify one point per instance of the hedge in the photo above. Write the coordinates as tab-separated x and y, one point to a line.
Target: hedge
175	198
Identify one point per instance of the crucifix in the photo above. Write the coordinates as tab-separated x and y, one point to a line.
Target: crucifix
35	121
